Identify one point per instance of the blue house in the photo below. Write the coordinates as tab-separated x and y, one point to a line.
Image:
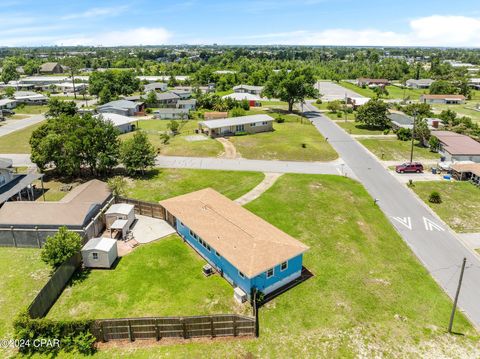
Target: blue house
245	249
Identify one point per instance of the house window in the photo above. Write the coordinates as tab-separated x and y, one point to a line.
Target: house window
264	123
270	273
283	266
191	233
241	274
95	256
253	124
208	247
217	254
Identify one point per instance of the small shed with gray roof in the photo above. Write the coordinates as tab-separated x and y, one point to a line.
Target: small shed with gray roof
99	252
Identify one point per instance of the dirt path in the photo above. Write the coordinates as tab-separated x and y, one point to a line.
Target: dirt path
230	150
268	181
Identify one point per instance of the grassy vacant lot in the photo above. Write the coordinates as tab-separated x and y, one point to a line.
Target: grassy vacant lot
163	278
356	128
31	109
178	145
466	109
17	142
285	142
166	183
460	203
394	92
369	297
396	150
23	275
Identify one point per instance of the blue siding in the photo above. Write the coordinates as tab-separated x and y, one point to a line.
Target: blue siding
260	281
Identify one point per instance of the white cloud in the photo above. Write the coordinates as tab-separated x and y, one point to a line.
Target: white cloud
97	12
129	37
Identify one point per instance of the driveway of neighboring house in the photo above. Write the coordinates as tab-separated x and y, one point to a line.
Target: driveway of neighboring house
17	125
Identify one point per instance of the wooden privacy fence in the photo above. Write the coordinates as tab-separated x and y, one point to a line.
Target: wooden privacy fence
221	325
150	209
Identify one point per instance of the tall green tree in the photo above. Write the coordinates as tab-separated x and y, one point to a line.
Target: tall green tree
294	86
137	153
57	107
374	113
9	71
442	87
60	247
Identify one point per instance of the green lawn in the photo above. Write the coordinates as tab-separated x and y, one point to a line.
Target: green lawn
394	92
163	278
31	109
355	128
178	145
166	183
466	109
18	141
396	150
369	296
285	142
460	203
23	275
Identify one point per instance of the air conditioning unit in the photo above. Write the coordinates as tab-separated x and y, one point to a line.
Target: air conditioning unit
207	270
239	295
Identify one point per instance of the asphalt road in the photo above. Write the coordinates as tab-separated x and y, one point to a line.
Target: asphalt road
16	125
425	233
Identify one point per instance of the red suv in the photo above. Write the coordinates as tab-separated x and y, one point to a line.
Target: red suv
409	167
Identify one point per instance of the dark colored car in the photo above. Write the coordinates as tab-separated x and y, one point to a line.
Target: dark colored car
414	167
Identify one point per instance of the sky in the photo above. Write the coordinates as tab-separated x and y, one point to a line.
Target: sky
240	22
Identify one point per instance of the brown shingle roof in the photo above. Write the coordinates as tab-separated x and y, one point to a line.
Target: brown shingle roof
247	241
458	144
73	210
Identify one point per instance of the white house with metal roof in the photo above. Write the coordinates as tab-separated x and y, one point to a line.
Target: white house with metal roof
122	123
235	125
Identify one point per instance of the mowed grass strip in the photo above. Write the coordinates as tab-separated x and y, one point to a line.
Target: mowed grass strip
160	184
394	92
18	141
369	297
460	203
294	140
178	145
163	278
22	276
355	128
396	150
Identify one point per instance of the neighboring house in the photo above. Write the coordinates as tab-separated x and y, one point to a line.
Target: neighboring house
123	107
254	90
155	86
99	253
362	81
400	120
457	147
120	216
475	83
239	96
442	99
30	98
41	83
357	101
234	125
81	210
7	104
214	115
182	93
187	104
122	123
419	84
67	87
462	171
247	251
15	186
51	68
167	99
171	114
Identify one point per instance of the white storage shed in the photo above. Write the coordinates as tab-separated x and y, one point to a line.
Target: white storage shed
99	252
120	217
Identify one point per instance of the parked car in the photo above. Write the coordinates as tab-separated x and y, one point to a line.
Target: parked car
414	167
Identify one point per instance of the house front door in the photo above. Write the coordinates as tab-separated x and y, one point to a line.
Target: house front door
239	128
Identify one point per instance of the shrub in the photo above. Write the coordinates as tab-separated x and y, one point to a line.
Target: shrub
73	335
386	131
279	119
404	134
339	114
242	133
304	145
165	137
117	185
435	197
148	110
61	246
318	102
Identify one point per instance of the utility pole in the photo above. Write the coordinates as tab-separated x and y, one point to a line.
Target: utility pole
345	107
413	135
452	316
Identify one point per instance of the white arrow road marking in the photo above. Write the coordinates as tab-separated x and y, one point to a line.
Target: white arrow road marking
406	221
430	225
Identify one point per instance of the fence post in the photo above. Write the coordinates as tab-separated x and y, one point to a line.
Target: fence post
157	330
130	332
13	236
212	328
234	325
102	333
151	209
184	327
38	238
